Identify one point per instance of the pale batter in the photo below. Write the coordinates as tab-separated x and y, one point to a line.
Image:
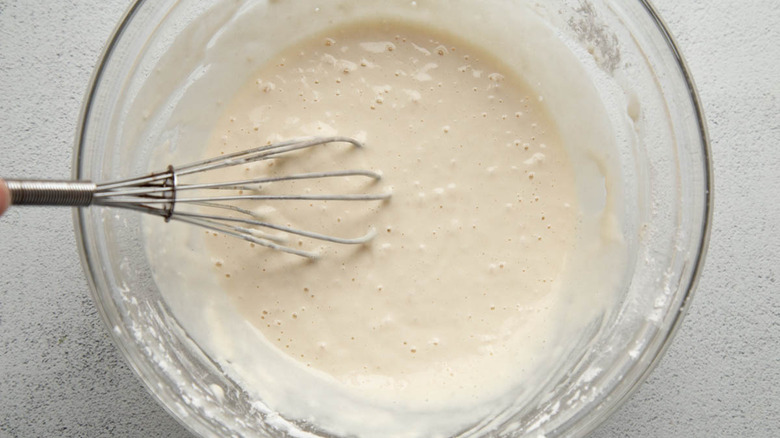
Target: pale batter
482	217
493	259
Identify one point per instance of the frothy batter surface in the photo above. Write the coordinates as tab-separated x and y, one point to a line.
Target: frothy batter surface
454	292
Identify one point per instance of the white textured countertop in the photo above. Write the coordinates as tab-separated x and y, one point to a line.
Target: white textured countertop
60	374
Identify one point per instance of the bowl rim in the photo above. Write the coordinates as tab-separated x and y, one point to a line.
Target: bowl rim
608	404
141	368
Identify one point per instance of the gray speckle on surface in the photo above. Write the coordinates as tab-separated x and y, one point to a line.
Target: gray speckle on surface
60	375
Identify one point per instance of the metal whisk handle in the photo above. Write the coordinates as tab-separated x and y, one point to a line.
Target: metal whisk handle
42	192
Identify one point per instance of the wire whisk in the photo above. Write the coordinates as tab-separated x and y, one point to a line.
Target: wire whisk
162	194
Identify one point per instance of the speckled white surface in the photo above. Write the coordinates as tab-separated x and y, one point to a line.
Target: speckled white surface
60	375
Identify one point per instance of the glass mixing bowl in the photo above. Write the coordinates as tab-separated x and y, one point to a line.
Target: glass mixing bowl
635	68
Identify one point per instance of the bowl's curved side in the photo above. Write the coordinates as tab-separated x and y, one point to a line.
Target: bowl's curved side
83	160
639	368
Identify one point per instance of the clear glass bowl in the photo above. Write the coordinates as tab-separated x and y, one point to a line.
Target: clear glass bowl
664	161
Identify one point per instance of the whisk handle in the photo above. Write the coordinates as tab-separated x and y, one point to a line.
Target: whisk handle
42	192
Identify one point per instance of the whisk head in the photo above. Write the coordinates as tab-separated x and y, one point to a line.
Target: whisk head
221	206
